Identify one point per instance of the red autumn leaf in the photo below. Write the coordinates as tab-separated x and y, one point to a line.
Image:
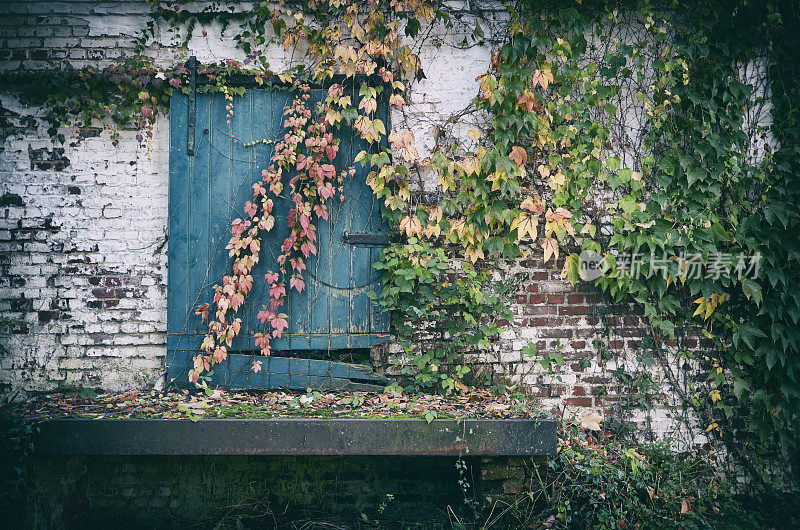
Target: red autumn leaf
237	299
237	227
279	323
250	209
203	311
289	242
220	354
267	223
331	150
304	162
262	340
297	282
265	315
275	303
326	171
298	264
326	191
271	277
256	366
258	189
277	290
308	248
321	210
222	307
246	283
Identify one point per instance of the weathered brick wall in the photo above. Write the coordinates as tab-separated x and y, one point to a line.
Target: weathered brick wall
83	226
170	492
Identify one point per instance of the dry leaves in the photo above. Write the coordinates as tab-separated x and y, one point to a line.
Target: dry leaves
219	403
590	421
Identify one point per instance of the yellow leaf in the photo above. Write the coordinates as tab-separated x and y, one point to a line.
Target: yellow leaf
411	225
497	176
525	224
474	253
542	78
445	181
557	180
457	227
369	105
550	247
471	165
543	170
432	230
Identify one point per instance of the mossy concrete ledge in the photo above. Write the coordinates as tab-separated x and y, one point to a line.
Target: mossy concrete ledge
296	436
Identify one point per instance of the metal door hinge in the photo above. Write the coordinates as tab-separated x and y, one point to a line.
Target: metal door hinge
191	65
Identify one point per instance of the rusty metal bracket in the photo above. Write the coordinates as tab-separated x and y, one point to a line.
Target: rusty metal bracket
366	240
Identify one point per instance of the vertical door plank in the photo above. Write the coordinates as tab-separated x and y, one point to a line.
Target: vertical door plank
242	175
199	212
178	248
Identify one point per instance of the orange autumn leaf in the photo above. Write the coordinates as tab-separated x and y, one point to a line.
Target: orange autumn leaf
533	204
542	78
527	101
519	156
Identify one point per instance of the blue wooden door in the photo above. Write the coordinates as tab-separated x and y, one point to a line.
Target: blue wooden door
208	189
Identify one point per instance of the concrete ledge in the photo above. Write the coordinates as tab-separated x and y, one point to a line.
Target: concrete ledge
296	436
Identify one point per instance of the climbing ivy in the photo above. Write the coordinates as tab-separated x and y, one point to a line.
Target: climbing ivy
558	168
694	194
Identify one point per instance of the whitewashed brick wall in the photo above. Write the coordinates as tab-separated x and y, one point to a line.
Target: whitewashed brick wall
83	231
